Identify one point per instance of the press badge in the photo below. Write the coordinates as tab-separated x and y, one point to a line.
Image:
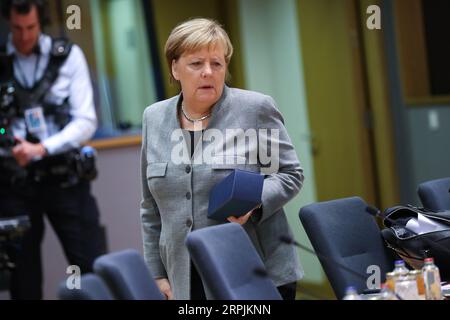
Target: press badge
34	118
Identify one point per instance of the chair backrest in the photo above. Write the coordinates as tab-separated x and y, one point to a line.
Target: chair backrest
92	287
435	195
128	276
343	231
229	264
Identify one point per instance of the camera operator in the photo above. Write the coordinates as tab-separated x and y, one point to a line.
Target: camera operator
53	114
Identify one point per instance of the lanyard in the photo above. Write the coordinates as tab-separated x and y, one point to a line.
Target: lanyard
22	74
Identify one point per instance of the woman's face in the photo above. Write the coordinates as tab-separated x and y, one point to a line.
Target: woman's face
202	75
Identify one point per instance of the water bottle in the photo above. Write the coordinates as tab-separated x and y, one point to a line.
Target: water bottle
400	268
432	280
386	293
406	287
403	285
351	294
88	155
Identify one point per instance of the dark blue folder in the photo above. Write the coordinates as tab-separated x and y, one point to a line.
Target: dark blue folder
235	195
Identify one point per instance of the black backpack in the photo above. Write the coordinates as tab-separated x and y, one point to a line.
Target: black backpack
413	247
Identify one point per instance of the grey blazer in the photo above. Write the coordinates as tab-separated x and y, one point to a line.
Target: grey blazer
175	187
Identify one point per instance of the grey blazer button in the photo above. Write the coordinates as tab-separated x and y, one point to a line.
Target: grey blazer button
188	195
188	169
188	223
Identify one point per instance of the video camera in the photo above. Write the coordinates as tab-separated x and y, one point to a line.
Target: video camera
11	230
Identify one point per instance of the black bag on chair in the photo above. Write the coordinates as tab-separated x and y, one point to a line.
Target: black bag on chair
414	247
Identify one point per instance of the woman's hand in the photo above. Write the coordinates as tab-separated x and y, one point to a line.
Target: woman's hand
242	219
164	286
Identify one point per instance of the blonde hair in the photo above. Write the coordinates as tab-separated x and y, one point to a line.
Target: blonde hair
193	35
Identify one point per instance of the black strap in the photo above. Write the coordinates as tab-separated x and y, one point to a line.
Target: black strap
61	49
6	65
402	252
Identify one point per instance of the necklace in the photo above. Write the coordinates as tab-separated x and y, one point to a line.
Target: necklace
194	120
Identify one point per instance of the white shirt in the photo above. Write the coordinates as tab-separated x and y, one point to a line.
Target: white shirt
73	82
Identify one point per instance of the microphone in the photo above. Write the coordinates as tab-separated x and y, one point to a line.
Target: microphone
374	211
261	272
290	241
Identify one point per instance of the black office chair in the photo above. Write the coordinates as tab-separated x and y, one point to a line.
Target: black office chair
435	194
343	231
128	276
92	287
229	265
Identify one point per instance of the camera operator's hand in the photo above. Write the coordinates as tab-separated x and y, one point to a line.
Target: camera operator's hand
25	151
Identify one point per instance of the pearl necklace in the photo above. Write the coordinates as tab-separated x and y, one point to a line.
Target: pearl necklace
194	120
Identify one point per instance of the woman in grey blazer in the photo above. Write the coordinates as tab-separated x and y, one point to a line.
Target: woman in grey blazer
192	141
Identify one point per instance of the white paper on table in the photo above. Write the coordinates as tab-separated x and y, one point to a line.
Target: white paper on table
424	225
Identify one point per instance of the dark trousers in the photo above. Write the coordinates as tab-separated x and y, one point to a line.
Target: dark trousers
74	216
286	291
